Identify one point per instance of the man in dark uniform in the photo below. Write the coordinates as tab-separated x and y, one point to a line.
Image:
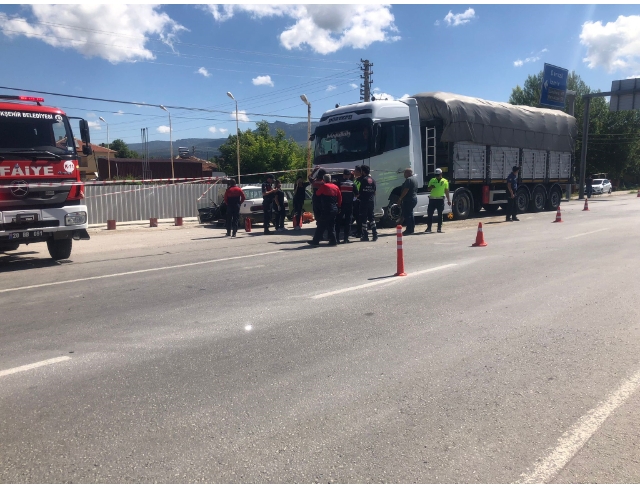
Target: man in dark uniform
344	217
280	210
367	193
330	202
357	173
233	198
512	187
315	184
268	195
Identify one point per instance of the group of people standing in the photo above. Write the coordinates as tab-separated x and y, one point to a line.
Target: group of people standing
336	205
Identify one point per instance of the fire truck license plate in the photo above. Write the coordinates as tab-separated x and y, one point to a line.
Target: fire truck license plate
16	235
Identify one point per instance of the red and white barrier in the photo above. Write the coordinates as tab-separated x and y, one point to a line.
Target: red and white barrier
400	264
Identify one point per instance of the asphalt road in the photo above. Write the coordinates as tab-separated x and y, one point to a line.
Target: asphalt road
179	355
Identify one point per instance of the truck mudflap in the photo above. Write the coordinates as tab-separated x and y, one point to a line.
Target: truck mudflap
81	235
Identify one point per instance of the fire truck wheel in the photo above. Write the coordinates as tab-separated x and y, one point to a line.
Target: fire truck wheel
59	249
9	247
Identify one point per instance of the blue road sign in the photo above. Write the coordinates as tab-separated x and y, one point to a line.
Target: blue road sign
554	86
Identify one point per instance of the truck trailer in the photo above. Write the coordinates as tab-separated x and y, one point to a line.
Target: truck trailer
475	142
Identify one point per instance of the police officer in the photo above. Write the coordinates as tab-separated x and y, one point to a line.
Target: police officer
344	217
233	198
280	210
512	187
439	188
315	184
330	201
367	193
357	173
268	195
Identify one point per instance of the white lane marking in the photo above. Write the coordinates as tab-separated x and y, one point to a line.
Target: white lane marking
381	281
573	440
33	366
588	233
136	272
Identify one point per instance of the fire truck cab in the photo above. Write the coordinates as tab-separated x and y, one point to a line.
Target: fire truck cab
41	191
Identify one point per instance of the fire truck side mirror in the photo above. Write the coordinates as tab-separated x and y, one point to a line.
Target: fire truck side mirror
86	138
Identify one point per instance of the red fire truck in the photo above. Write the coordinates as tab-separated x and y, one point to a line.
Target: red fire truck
41	191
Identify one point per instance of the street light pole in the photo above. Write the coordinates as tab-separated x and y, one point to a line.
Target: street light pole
237	133
173	175
308	103
108	148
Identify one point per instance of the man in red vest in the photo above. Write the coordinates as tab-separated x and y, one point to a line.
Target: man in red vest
233	198
330	201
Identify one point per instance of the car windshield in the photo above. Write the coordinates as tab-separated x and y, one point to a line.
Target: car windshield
343	142
253	194
597	181
39	131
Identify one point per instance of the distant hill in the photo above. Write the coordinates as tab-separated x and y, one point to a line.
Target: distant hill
207	148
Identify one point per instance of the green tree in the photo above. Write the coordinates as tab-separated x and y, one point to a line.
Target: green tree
614	137
261	152
122	149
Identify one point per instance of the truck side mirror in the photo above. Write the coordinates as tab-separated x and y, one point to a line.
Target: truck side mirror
86	137
312	137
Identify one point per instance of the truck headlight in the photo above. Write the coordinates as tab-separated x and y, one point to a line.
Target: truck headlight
76	218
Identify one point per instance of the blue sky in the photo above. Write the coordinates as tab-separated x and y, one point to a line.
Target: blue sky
191	55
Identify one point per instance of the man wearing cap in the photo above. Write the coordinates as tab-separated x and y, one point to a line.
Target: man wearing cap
408	201
268	195
439	190
512	187
367	193
344	217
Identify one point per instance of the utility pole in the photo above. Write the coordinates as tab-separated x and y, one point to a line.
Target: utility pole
365	86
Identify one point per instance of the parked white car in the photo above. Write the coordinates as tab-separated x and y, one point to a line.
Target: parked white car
601	186
252	206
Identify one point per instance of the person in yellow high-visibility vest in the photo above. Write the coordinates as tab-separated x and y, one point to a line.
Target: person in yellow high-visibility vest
439	190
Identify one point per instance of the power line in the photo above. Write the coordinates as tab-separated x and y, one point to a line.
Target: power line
200	46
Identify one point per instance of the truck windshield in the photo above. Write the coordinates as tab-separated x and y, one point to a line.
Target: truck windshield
343	142
26	131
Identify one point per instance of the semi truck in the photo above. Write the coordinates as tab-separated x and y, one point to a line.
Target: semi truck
474	141
41	191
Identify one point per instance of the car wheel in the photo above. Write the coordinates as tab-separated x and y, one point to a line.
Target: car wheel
609	191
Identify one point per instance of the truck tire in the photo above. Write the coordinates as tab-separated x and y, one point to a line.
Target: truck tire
9	247
59	249
555	197
538	199
522	200
462	204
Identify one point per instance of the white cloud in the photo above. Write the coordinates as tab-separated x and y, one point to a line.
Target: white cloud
331	87
460	19
376	89
91	115
436	23
163	129
213	130
406	95
94	125
353	85
223	131
242	116
614	46
531	59
204	72
130	27
262	81
324	28
119	112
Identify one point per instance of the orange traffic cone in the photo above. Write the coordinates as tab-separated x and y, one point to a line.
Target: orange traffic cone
247	225
558	216
480	238
586	204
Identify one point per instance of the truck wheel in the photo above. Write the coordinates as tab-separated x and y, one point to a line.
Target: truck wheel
522	200
9	247
462	204
59	249
538	199
555	196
